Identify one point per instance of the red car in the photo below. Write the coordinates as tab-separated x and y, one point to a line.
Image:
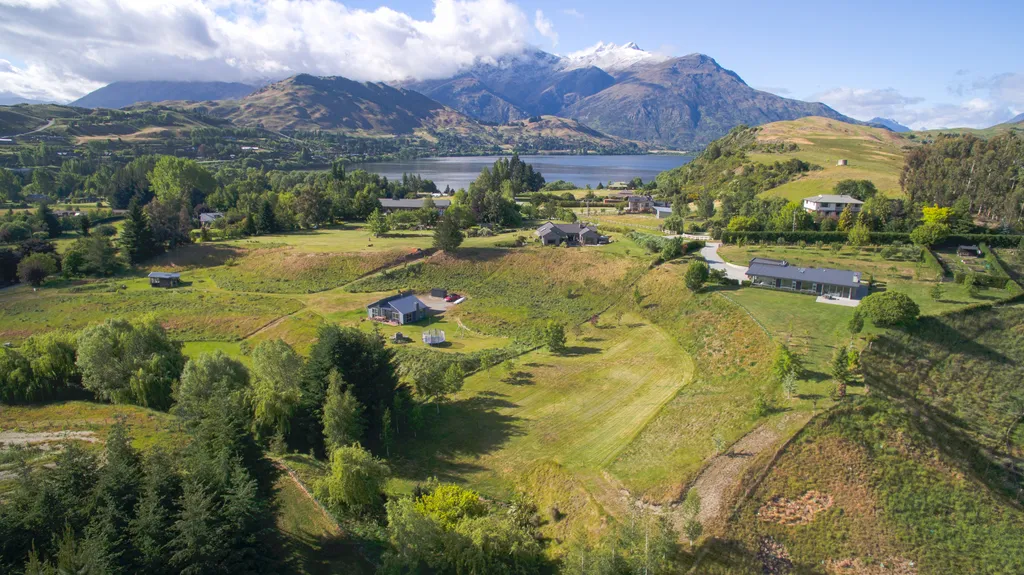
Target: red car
452	297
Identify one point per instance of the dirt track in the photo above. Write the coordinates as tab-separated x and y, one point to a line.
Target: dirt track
43	437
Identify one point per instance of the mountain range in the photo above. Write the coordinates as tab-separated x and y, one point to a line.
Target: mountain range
123	94
623	91
684	102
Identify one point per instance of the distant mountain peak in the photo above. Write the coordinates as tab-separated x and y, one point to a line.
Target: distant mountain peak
889	124
611	57
1018	119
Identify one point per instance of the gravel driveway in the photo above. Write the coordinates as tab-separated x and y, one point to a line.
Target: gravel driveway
732	271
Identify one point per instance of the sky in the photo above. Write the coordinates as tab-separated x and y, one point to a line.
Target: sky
933	64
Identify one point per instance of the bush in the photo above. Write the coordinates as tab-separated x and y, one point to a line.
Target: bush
35	268
12	232
928	235
696	275
891	308
356	480
811	237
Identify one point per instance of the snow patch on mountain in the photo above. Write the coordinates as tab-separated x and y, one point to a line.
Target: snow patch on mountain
611	57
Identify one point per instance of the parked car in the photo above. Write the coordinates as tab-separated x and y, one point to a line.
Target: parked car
452	297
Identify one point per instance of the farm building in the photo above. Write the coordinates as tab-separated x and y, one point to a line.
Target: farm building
829	204
411	204
552	234
164	279
780	275
401	309
968	251
663	212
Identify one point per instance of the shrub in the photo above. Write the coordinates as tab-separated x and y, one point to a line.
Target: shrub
356	480
35	268
928	235
696	275
12	232
891	308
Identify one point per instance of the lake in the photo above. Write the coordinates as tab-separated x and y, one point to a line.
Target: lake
580	170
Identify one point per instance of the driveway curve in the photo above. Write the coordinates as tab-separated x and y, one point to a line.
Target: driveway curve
732	271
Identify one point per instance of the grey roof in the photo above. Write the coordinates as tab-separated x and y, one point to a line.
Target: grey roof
640	198
403	303
210	217
412	203
563	230
834	199
662	209
763	267
165	275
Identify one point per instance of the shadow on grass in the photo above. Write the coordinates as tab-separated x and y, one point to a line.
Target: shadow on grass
519	378
464	429
580	350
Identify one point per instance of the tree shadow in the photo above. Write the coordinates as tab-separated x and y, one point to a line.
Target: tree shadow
580	350
455	434
519	378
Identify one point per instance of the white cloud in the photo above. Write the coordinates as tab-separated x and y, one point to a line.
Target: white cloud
546	27
73	46
980	111
573	12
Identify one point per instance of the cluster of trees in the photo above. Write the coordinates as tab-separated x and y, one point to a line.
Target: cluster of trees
195	509
982	176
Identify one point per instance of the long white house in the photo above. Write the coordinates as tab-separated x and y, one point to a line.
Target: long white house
829	204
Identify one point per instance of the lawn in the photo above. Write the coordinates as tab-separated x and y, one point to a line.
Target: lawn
291	270
576	411
188	314
350	238
873	154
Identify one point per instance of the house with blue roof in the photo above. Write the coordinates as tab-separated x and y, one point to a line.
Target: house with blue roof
781	275
399	309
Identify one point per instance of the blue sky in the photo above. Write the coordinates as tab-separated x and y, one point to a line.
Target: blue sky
934	64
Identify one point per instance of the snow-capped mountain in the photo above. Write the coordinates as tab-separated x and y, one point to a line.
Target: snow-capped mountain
611	57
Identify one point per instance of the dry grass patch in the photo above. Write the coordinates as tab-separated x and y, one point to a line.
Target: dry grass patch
795	512
289	270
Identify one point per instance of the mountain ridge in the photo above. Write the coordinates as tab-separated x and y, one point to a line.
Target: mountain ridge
118	95
889	124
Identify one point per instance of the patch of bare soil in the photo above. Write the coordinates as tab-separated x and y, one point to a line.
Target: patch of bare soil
774	557
859	567
44	438
795	512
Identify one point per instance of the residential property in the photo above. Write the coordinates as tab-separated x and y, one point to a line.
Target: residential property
208	218
639	204
411	204
552	234
829	204
398	309
164	279
780	275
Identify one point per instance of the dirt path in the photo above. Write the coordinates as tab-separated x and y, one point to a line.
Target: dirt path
44	437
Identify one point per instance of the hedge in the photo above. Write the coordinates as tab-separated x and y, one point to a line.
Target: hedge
877	238
933	262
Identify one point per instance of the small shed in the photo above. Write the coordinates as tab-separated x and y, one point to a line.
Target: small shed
969	251
842	163
438	292
164	279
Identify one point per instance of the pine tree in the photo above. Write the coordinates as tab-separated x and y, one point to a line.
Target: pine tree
49	222
447	236
343	416
266	222
847	219
136	236
840	370
250	225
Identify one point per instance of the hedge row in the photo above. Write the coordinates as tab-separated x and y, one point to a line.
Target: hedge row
878	238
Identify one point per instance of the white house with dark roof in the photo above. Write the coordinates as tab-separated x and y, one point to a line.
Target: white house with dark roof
831	204
411	204
552	234
781	275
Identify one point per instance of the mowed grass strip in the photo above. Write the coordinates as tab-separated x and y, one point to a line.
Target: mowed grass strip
578	410
292	271
731	356
514	292
188	314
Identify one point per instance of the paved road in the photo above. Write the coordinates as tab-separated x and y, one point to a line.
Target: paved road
732	271
48	124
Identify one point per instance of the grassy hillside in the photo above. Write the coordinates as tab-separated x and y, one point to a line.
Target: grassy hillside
922	476
872	153
514	292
